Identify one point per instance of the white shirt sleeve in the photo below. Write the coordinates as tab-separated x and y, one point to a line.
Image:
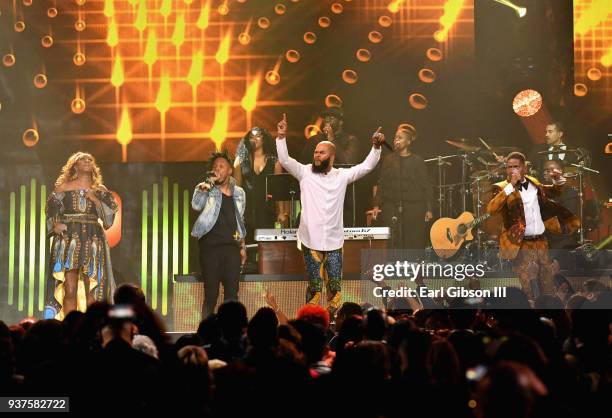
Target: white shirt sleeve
509	189
291	165
358	171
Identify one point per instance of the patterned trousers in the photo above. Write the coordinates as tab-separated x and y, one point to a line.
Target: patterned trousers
323	267
534	268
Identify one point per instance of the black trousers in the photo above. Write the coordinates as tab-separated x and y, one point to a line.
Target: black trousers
412	235
219	264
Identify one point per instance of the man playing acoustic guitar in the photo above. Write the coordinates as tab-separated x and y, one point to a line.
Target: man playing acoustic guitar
527	211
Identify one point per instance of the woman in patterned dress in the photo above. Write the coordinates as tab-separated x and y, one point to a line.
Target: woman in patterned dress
78	211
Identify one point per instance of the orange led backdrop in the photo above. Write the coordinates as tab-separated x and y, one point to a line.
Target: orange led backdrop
173	80
593	49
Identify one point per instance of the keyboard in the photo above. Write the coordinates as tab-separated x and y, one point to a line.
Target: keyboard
290	234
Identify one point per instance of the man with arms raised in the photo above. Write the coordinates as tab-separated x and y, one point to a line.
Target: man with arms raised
321	232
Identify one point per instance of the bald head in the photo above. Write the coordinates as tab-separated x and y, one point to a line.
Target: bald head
323	159
328	145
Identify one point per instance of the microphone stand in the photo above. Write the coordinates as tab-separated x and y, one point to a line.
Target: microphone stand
400	208
581	168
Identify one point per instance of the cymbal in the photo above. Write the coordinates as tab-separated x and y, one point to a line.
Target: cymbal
479	173
463	144
502	150
560	151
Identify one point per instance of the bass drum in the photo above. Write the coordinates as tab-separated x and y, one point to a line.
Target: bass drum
490	228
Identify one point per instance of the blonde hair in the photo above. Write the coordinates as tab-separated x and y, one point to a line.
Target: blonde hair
68	172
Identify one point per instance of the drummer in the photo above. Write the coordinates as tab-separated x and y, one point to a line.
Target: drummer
554	148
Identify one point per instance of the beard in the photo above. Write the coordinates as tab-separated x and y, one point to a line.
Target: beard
322	167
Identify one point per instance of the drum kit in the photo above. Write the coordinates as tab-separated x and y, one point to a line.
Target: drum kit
483	165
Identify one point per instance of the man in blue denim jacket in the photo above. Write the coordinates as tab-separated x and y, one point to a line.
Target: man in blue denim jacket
220	231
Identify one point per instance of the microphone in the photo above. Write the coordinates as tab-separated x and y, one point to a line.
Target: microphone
208	180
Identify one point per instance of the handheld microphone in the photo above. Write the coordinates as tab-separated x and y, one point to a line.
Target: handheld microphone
386	145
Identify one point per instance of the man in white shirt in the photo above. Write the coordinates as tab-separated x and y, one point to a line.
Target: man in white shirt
321	232
527	211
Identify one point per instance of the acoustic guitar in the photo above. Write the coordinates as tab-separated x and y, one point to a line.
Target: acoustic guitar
448	234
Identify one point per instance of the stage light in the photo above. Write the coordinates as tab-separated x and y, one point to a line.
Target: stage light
109	8
594	74
427	75
141	16
332	100
263	22
52	12
593	13
417	101
280	9
117	75
47	41
223	53
164	99
385	21
272	77
350	76
249	101
218	132
204	17
363	55
311	130
375	37
244	38
178	35
606	59
520	11
19	26
440	36
77	106
112	37
337	8
324	22
434	54
580	89
394	6
452	9
223	9
310	38
27	2
8	60
194	77
292	56
166	8
80	2
527	103
79	59
80	25
150	53
124	131
30	137
40	81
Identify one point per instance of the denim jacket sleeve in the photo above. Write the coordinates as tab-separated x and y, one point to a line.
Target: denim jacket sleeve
199	199
240	201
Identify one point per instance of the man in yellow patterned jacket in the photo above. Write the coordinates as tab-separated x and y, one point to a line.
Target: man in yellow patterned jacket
528	210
